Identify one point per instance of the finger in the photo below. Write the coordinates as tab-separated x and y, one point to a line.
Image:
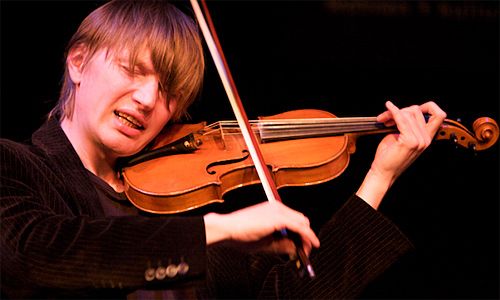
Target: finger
437	116
282	246
307	235
412	126
386	118
289	245
307	247
418	125
422	127
399	117
299	224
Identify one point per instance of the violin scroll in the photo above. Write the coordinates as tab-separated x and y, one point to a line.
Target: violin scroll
486	130
485	133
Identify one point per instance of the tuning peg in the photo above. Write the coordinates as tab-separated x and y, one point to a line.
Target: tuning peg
472	147
453	137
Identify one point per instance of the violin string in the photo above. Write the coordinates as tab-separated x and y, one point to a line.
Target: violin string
309	120
296	128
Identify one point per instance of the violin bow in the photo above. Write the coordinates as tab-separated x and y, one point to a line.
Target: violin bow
268	184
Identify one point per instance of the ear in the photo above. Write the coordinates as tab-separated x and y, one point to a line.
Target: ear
75	62
172	104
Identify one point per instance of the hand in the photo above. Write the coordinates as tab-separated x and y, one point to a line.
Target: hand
257	224
396	152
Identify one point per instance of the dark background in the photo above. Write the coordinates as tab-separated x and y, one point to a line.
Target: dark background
346	58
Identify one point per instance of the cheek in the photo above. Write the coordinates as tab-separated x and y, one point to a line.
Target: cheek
101	82
160	118
89	92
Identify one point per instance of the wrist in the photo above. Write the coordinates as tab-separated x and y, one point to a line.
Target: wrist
215	231
374	187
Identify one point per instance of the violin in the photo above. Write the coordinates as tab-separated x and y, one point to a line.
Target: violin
192	165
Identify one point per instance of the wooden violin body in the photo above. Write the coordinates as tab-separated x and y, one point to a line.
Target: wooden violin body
302	147
221	164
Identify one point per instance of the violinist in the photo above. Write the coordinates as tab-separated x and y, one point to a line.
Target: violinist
68	231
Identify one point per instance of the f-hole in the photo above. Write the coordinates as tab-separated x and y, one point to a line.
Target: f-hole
227	162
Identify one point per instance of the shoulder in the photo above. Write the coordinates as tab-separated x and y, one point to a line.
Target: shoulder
21	163
11	151
25	165
47	149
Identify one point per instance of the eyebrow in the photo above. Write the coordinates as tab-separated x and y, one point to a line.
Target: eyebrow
139	64
143	68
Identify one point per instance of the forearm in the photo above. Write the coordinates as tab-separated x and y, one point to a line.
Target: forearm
373	188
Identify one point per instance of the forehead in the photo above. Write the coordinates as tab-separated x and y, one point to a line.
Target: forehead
141	56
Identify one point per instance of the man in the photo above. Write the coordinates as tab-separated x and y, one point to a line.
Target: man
132	67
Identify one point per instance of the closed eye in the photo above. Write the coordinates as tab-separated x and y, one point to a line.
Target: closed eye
133	72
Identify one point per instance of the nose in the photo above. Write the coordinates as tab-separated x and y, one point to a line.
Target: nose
146	93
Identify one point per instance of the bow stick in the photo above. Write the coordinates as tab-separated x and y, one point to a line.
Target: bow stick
248	135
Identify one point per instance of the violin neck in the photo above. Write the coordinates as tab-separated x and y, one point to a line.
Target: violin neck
276	130
271	130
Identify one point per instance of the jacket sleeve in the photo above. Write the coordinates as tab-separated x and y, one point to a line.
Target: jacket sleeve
357	245
46	246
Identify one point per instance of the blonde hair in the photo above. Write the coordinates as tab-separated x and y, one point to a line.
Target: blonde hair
171	36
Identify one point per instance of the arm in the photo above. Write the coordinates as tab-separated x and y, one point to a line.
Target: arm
55	242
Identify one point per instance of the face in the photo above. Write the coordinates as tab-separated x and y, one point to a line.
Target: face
118	110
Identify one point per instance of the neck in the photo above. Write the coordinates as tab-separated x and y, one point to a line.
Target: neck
93	157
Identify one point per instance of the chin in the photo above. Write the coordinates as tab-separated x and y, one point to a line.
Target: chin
127	152
119	151
123	147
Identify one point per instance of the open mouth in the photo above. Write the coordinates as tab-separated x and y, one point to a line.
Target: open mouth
128	120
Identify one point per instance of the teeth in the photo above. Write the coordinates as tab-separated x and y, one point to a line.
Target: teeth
129	120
